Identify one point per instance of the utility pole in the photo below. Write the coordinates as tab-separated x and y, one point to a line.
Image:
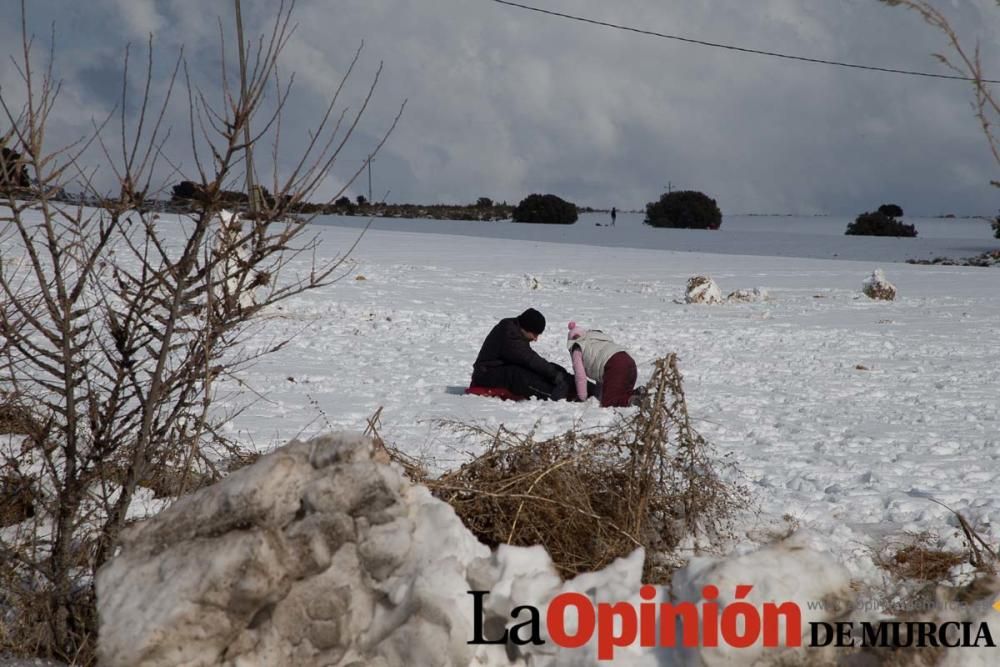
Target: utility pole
252	194
669	187
370	179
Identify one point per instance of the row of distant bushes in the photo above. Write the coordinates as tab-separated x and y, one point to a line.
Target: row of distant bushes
688	209
684	208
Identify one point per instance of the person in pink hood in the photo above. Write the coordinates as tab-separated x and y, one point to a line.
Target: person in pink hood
599	358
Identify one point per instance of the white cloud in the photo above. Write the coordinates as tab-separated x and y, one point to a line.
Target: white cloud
139	16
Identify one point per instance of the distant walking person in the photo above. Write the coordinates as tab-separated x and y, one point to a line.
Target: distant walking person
614	214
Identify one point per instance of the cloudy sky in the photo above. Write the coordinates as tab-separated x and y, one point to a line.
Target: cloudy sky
503	102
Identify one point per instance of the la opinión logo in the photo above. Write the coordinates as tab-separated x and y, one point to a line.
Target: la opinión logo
739	624
572	620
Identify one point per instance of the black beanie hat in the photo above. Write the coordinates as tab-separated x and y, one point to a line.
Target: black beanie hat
532	320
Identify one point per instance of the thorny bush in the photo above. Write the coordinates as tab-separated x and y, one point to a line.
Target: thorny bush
591	496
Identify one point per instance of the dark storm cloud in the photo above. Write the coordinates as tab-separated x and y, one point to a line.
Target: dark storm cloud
504	102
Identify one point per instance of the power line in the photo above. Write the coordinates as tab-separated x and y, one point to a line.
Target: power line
773	54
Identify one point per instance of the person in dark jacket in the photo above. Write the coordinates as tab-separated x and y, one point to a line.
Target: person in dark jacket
507	360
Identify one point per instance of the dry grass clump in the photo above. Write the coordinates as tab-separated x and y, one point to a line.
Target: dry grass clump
18	493
29	512
923	572
16	418
26	627
927	590
593	496
916	558
18	496
916	561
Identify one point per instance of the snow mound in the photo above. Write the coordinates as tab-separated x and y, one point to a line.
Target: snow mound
877	287
314	555
781	572
702	289
754	295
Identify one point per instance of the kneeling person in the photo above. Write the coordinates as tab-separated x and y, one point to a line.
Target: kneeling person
599	358
506	360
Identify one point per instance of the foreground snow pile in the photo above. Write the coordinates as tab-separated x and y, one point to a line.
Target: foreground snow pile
319	555
781	572
315	555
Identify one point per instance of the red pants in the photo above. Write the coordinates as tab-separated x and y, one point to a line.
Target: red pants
619	380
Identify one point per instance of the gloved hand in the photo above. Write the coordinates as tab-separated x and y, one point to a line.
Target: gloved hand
561	387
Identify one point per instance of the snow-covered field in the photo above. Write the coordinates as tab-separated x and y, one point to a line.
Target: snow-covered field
840	411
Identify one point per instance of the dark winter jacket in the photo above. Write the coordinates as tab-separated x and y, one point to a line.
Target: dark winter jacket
506	345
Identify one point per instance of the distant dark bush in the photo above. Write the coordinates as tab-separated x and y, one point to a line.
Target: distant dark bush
191	191
547	209
891	210
187	190
13	172
361	200
996	227
342	206
684	208
879	224
484	202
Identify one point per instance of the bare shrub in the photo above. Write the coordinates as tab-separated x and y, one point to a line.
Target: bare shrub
114	333
591	496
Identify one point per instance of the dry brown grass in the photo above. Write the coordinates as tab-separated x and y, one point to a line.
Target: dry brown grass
16	418
18	493
26	617
18	497
593	496
922	571
916	558
925	589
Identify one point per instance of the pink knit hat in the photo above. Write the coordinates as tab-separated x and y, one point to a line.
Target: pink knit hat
575	331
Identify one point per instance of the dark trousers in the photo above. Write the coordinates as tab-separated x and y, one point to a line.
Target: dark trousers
620	375
522	381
